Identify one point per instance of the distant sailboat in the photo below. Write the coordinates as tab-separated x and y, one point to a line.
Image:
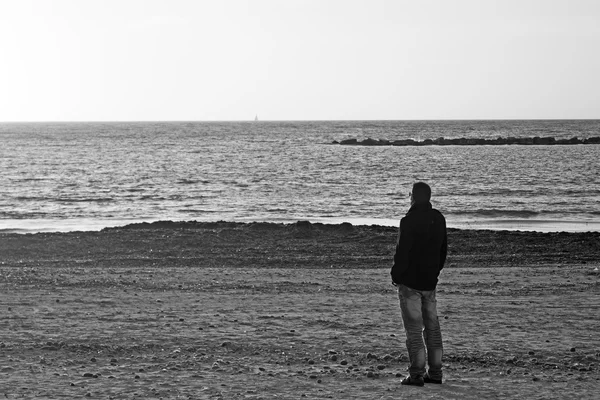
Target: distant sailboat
256	118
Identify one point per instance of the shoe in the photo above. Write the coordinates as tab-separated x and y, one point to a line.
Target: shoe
413	380
428	379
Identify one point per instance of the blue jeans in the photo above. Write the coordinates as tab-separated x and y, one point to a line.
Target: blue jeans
419	315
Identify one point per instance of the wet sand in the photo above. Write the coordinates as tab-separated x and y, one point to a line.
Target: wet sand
288	311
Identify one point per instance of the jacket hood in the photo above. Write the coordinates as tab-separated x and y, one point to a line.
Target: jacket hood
420	207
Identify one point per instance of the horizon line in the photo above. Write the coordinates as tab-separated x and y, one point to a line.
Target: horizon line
294	120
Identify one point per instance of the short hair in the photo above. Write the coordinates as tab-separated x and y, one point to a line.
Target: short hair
421	192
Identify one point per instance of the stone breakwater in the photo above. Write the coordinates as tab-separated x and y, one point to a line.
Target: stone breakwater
470	141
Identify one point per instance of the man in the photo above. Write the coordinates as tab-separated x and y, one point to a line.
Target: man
420	256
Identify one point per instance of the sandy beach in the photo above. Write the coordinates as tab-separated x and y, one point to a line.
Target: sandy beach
288	311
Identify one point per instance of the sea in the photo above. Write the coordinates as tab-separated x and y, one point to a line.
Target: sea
82	176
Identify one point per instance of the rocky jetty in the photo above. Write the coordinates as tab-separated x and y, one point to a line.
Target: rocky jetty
470	141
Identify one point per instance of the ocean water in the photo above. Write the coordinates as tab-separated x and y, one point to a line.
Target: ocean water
86	176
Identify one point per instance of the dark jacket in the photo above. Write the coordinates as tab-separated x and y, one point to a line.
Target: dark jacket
421	249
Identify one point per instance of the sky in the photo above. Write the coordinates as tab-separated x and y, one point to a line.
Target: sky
229	60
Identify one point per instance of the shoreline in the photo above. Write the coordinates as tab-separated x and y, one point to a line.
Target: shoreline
94	225
275	245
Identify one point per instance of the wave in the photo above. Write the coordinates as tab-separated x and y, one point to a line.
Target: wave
64	199
187	181
33	198
22	215
196	211
84	200
500	213
30	179
555	191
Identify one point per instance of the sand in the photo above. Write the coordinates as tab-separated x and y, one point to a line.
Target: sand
290	311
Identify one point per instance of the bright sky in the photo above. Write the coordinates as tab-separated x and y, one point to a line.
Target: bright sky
123	60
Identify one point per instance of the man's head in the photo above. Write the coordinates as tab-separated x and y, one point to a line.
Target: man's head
421	193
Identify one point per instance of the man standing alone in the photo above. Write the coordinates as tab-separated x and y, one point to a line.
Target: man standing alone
420	255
